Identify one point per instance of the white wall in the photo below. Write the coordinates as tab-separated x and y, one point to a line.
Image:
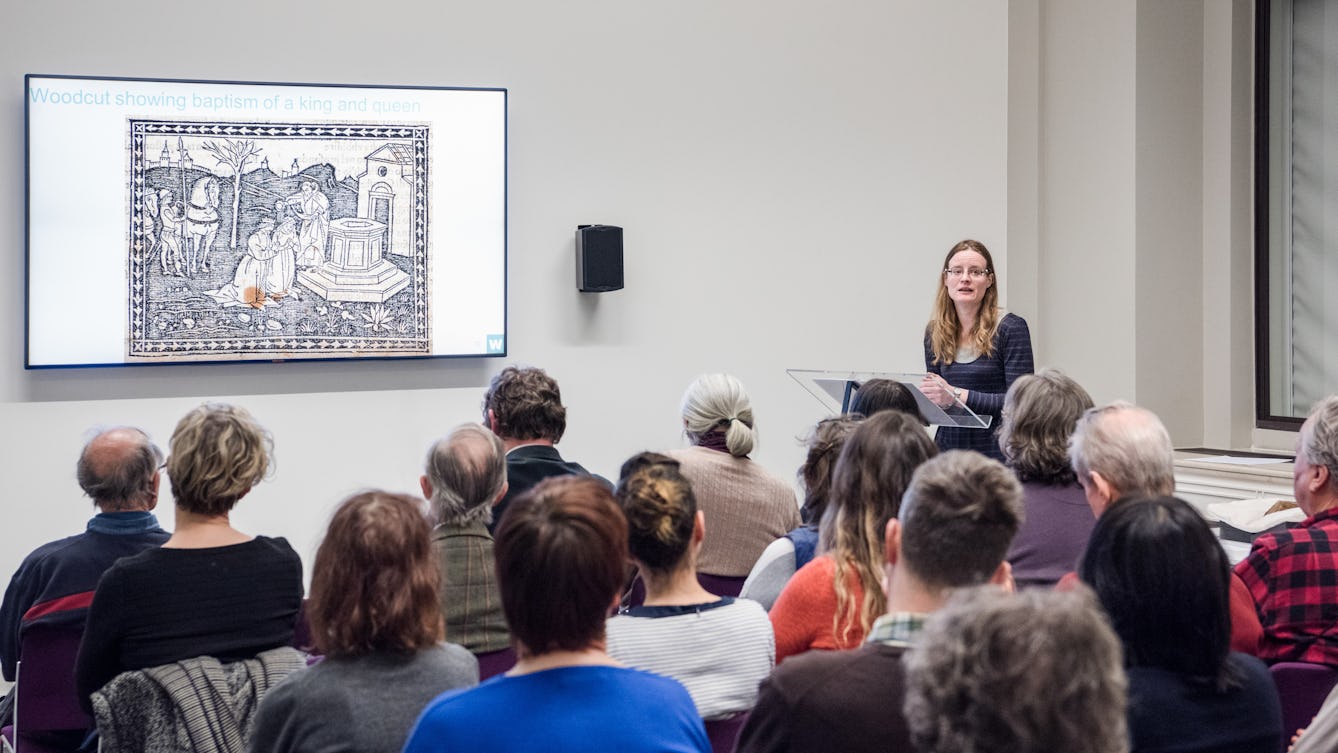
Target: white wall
787	173
1130	155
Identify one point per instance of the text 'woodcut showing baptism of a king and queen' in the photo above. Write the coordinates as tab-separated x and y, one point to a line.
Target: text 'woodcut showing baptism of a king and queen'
295	240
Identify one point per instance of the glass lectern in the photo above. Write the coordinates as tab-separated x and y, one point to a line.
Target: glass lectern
835	388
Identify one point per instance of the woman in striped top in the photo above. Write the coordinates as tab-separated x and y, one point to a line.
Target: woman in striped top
718	647
973	351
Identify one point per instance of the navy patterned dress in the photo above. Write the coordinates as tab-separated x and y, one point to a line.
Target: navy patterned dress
986	379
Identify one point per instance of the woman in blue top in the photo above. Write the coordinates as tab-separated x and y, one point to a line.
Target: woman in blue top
560	552
973	351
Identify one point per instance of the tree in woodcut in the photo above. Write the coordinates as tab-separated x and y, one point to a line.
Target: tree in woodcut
234	154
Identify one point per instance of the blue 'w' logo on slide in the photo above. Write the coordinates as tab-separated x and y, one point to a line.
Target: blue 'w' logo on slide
496	344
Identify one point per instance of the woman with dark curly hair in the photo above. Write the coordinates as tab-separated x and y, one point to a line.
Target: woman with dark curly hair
1039	413
374	615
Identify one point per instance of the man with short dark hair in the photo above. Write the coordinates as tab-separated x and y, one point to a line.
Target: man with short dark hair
956	521
524	407
118	469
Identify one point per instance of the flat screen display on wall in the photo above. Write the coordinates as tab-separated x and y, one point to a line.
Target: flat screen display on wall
183	221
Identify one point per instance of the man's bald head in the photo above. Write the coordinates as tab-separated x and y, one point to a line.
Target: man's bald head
118	469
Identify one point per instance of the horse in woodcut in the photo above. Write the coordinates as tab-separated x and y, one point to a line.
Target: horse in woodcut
201	223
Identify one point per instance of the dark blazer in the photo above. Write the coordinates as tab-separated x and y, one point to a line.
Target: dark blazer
526	466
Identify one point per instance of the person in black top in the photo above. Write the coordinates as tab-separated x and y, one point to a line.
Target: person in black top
523	406
211	590
118	470
1160	573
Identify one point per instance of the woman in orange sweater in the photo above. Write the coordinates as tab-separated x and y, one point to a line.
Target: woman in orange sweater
832	601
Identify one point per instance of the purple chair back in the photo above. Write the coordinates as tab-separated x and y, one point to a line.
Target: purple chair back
302	640
1302	689
46	700
724	733
722	585
495	662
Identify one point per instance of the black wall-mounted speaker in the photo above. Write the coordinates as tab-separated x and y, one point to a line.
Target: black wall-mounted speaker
599	258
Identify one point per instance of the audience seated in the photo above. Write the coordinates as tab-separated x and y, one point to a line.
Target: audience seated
1162	577
832	601
1121	451
893	535
959	514
465	476
375	617
745	505
1039	413
524	407
878	395
118	470
1292	576
561	551
1034	672
211	590
718	647
783	557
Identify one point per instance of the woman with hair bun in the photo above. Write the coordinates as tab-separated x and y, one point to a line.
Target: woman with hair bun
375	616
745	506
720	648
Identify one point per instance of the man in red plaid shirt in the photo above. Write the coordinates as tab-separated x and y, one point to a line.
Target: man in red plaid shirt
1293	575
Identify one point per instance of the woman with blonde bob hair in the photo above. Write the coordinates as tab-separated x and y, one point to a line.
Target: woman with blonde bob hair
832	601
375	616
746	507
1039	414
211	590
973	351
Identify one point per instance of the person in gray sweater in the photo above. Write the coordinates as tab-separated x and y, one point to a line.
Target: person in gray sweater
375	616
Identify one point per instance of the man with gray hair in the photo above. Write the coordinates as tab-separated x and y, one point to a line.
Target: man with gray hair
465	476
1292	575
118	470
957	518
1121	451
